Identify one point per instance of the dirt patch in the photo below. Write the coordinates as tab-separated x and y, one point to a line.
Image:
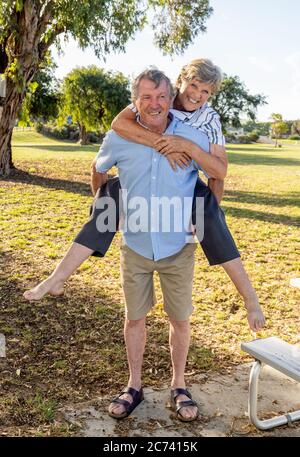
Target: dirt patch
223	405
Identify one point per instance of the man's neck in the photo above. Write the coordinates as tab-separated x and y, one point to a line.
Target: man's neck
157	129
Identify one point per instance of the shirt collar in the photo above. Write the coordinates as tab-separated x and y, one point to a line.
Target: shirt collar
170	128
183	115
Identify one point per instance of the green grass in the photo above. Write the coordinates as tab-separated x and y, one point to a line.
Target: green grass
71	348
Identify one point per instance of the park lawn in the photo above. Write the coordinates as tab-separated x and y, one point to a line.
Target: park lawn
70	349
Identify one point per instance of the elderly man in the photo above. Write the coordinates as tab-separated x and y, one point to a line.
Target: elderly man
147	246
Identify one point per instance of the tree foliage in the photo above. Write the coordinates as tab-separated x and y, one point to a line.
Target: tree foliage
28	28
93	97
176	23
233	100
42	98
45	99
262	128
279	126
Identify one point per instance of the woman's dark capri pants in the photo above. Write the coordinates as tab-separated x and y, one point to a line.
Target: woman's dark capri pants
217	243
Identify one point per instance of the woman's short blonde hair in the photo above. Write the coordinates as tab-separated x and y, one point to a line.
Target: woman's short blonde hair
204	71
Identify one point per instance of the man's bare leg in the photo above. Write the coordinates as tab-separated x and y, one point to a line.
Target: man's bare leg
54	284
179	339
135	339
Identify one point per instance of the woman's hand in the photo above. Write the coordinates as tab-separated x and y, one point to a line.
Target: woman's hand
168	144
178	158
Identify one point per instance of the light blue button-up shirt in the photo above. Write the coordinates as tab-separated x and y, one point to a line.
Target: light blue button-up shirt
148	179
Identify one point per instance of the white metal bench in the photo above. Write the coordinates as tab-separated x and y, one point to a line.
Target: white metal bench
281	356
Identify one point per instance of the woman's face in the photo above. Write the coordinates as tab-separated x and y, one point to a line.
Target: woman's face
193	94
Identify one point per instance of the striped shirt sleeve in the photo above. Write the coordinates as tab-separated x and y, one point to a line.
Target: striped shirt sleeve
213	129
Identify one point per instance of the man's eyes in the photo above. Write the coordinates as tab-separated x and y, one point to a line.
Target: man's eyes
146	97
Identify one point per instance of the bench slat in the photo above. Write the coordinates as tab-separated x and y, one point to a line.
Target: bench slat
280	355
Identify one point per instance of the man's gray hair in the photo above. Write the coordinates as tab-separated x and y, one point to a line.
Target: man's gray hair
154	75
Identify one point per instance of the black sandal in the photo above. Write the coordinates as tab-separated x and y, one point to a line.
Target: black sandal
137	398
177	405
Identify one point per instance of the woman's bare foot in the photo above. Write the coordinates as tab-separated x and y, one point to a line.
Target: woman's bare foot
50	286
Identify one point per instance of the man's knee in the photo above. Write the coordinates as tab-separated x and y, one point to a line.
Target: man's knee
180	325
135	323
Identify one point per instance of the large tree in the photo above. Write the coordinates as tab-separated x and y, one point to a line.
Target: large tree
234	100
93	97
28	28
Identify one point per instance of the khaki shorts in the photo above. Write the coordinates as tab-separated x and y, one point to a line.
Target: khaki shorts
176	278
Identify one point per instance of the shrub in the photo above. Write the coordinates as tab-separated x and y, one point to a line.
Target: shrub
251	137
231	138
294	137
66	132
53	131
93	138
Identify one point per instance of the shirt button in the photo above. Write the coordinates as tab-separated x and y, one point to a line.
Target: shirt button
153	177
155	160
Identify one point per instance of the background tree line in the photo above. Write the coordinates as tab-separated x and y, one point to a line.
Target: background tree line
90	98
29	28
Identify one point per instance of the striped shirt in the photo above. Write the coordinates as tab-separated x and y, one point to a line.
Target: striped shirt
205	119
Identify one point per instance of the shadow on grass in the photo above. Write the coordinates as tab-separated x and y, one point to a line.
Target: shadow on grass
262	216
76	187
263	198
62	147
279	200
259	159
62	346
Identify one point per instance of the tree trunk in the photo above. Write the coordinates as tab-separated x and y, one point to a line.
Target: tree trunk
5	157
6	163
11	165
84	137
12	104
25	49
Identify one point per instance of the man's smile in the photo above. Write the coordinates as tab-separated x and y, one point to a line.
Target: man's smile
154	113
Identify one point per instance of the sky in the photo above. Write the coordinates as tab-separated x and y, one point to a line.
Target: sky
257	40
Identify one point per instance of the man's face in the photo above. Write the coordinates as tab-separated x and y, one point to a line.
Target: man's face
153	104
193	94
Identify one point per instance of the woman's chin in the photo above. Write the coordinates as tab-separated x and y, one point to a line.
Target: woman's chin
190	107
